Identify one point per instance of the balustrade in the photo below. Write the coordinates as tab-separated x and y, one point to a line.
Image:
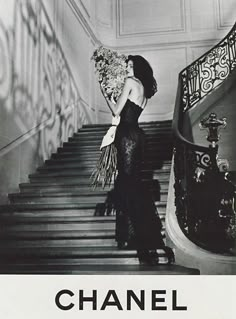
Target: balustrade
204	194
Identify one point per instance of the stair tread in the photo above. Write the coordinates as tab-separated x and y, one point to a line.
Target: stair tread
42	187
60	206
60	234
99	269
79	251
57	214
67	194
69	219
85	173
91	166
151	142
154	124
74	184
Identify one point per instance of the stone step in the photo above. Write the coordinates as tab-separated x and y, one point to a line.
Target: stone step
19	217
154	146
91	161
38	224
87	173
53	208
26	225
68	261
56	212
86	179
55	234
143	125
165	154
30	218
63	198
42	187
48	266
96	138
55	231
151	130
62	243
55	198
73	252
77	256
155	123
90	167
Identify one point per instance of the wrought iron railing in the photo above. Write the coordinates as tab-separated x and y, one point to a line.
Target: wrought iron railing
192	161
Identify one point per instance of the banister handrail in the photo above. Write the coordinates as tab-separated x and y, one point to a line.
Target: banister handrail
175	127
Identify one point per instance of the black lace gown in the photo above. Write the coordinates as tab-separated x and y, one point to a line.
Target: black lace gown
137	222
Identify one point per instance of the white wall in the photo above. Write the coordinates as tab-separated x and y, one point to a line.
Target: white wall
45	82
169	33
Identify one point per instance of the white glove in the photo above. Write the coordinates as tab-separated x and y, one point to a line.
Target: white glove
110	135
115	120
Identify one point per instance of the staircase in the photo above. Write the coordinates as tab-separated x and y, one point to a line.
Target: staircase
51	225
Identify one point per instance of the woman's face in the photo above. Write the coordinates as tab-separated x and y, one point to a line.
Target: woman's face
130	68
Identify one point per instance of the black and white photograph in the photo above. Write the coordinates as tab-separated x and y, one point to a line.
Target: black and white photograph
117	150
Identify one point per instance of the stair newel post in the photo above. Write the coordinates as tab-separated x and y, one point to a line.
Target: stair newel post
215	215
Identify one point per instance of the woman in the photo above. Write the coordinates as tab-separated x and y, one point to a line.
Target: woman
137	224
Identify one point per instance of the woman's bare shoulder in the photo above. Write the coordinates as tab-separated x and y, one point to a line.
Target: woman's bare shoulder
132	80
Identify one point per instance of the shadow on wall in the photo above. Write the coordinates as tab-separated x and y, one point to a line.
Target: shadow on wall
40	104
37	85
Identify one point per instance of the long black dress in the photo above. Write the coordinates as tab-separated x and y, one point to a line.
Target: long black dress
137	222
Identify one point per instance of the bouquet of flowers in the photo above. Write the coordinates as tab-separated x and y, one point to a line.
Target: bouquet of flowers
111	69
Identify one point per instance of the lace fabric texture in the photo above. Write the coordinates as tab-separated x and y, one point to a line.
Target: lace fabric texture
137	221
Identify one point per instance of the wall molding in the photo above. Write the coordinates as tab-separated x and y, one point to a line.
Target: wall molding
164	45
221	24
84	8
82	20
110	24
121	34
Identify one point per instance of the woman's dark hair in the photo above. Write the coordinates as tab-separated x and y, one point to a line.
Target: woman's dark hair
144	72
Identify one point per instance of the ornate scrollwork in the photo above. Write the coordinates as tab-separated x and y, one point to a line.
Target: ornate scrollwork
203	160
214	68
209	71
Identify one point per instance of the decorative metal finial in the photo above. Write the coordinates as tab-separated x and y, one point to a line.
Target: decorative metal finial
213	125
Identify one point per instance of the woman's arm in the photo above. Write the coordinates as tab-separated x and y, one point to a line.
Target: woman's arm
117	108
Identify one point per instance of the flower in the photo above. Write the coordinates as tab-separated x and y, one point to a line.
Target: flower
111	69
